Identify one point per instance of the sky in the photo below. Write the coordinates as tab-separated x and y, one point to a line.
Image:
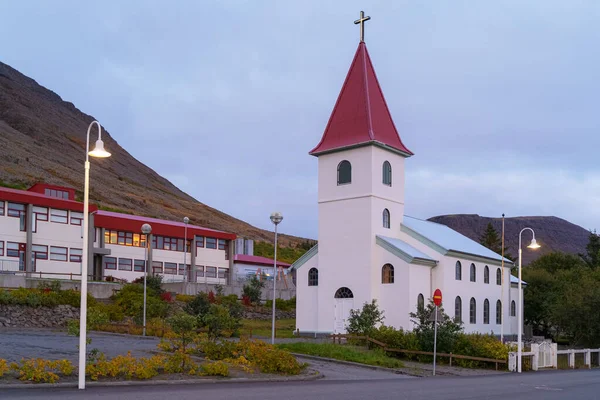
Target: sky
498	100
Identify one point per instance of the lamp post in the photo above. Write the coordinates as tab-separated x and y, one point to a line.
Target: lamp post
146	230
100	153
532	245
186	221
276	218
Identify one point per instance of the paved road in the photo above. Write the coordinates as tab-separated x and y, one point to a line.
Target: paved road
551	385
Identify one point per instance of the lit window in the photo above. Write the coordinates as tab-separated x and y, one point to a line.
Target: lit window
344	173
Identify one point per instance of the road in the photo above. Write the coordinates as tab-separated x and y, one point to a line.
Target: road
550	385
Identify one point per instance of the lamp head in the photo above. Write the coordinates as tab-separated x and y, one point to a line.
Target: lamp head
276	217
99	150
146	229
186	220
533	244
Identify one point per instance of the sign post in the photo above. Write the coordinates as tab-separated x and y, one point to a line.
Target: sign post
437	300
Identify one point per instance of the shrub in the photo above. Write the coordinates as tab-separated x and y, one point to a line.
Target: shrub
217	368
283	305
184	298
218	351
184	326
198	306
218	320
4	368
153	284
447	330
396	338
363	322
40	370
270	359
479	345
253	289
124	366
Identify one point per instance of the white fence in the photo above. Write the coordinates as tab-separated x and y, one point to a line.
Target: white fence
545	355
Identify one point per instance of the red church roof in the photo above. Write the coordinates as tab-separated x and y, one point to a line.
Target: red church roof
360	115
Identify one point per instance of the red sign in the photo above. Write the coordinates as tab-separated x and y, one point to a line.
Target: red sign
437	297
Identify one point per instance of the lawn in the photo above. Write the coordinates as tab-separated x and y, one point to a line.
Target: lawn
284	328
344	353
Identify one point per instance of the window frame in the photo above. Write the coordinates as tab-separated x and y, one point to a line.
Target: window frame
498	277
342	164
157	267
53	254
10	250
74	218
170	268
387	274
386	173
513	308
76	258
106	261
458	309
473	273
2	213
1	248
125	264
458	271
486	274
54	216
210	272
211	240
43	254
499	312
313	277
420	301
472	311
10	212
386	218
136	266
486	312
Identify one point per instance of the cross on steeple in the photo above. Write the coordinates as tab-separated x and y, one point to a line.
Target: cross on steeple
362	21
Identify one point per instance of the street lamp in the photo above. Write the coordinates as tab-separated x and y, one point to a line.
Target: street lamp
146	230
276	218
532	245
186	221
100	153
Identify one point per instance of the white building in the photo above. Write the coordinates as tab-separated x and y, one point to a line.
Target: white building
41	236
368	249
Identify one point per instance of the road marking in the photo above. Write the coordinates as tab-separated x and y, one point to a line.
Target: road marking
551	389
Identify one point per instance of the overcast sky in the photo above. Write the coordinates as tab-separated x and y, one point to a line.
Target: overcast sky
498	100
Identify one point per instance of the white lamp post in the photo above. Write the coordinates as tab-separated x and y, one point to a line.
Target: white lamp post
532	245
146	230
101	153
276	218
186	221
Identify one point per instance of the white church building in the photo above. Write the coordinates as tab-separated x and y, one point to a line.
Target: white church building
368	249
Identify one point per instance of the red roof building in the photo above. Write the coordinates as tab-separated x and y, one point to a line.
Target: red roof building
360	116
258	260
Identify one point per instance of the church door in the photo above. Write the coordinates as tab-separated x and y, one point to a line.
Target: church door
344	302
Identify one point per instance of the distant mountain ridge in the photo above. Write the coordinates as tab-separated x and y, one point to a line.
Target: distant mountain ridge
552	233
42	139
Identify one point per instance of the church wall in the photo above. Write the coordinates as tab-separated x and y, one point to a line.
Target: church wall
307	308
360	159
394	193
393	298
420	283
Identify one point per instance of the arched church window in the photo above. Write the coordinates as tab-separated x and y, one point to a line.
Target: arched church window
486	311
458	272
344	293
486	274
473	311
313	277
387	173
513	309
386	218
420	302
473	273
498	277
498	312
458	309
344	173
387	273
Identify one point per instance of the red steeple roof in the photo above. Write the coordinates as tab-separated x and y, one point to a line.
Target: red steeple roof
360	115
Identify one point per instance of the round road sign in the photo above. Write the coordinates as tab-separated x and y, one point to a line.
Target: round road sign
437	297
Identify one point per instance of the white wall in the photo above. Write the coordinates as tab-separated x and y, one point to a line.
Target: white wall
307	299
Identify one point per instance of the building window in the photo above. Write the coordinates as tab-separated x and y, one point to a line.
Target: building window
59	216
39	252
211	243
76	218
386	218
75	255
124	238
157	267
40	213
344	173
498	277
110	263
387	273
61	194
139	265
184	268
211	272
171	268
473	311
458	310
486	274
200	271
498	312
12	249
125	264
58	253
15	210
313	277
486	311
420	302
222	273
344	293
1	248
473	273
458	271
199	241
513	309
1	208
387	173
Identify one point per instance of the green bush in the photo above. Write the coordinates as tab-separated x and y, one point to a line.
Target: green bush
479	345
363	322
253	289
447	330
218	319
283	305
43	297
198	306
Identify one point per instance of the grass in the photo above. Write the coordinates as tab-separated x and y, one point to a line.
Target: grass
284	328
344	353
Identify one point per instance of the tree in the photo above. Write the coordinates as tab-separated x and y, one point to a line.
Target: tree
218	319
363	322
447	330
199	305
493	241
253	289
592	256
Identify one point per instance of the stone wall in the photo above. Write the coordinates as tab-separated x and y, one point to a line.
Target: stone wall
267	314
37	317
193	288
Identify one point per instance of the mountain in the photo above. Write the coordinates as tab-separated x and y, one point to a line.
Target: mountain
552	233
42	139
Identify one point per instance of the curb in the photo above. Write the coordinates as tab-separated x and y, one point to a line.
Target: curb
316	375
102	333
355	364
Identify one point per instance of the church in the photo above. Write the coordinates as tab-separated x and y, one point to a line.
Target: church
368	249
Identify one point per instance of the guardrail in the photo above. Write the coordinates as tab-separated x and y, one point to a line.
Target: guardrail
385	348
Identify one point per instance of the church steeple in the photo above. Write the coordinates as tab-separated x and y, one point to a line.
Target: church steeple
360	116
